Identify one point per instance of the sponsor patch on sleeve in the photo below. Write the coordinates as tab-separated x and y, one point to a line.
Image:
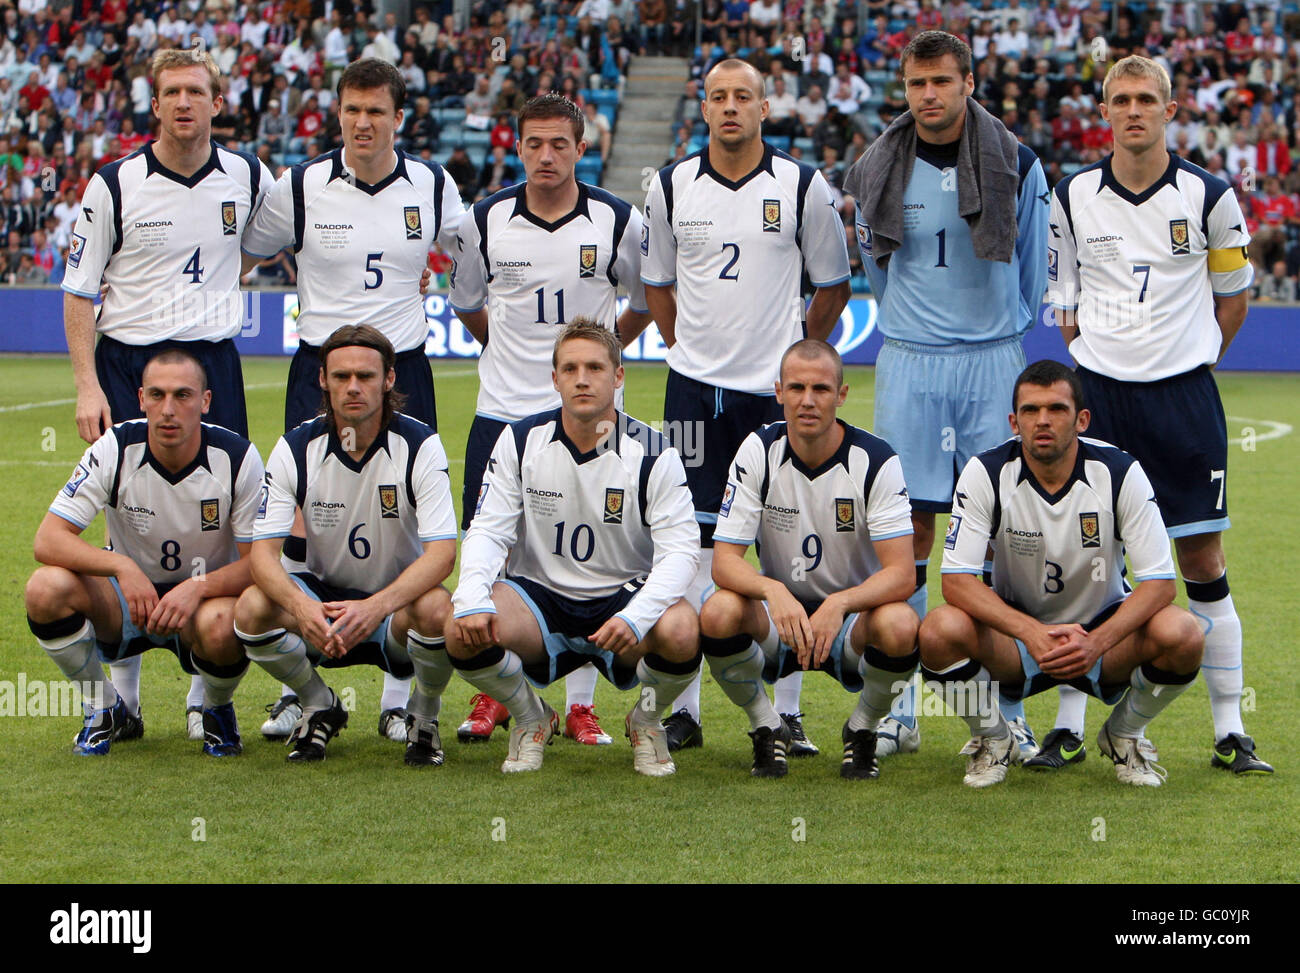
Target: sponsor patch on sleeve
950	539
75	250
78	477
728	495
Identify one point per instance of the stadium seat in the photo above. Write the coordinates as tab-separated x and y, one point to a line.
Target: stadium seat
804	145
781	142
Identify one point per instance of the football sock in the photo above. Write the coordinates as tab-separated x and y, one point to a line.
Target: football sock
432	673
396	692
1211	602
219	681
881	678
904	710
284	656
739	674
966	688
580	687
70	642
194	700
696	594
500	673
1070	709
1151	689
661	682
787	692
126	680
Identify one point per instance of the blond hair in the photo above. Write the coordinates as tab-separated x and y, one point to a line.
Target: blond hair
185	57
587	328
1137	66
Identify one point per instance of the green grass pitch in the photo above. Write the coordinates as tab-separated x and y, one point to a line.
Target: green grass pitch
140	814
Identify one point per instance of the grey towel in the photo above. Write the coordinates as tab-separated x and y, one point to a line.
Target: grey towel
988	179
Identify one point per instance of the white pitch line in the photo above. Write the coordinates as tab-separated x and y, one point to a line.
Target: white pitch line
51	403
1276	430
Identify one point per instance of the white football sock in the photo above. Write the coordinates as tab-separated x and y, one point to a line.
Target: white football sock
195	697
580	687
1071	707
1149	693
1221	663
284	656
126	680
504	681
77	659
740	677
787	692
396	692
657	688
432	673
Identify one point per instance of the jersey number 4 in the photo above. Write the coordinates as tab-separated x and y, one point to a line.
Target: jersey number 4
194	268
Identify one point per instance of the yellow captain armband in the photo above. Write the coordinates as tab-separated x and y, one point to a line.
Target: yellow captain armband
1226	261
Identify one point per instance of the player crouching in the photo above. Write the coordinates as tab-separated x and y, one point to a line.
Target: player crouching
381	537
588	513
1059	512
826	505
179	497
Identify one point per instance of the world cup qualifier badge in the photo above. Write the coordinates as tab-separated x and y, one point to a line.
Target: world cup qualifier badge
1089	530
613	505
414	229
388	501
228	221
843	515
771	216
587	260
1178	241
209	515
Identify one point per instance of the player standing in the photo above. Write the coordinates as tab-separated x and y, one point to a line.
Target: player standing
826	506
162	229
952	225
179	497
540	254
372	487
735	226
1060	512
587	512
361	221
1149	272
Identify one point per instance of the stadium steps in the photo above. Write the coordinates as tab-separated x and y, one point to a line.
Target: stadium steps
644	136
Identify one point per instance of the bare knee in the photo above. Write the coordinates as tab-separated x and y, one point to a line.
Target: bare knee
892	628
722	615
430	611
946	636
214	629
1178	640
1200	557
253	611
52	593
676	636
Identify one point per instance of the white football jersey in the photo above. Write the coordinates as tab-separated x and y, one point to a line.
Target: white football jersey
170	524
1142	271
361	249
1058	558
166	245
582	524
537	276
814	527
366	519
737	251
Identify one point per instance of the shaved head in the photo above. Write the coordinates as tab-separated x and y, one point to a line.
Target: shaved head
735	64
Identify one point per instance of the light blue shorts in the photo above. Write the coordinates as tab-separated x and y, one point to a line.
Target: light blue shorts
939	405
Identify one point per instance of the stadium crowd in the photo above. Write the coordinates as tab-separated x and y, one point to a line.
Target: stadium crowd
75	91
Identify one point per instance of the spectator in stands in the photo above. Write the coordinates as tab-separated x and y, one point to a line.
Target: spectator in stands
496	174
509	99
782	108
1067	130
1274	210
811	109
503	133
461	169
275	127
1276	286
1272	157
597	133
681	26
1241	153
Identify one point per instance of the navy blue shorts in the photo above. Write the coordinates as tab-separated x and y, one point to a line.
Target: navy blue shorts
1176	429
304	400
707	424
1037	681
373	650
566	624
120	370
483	436
135	641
